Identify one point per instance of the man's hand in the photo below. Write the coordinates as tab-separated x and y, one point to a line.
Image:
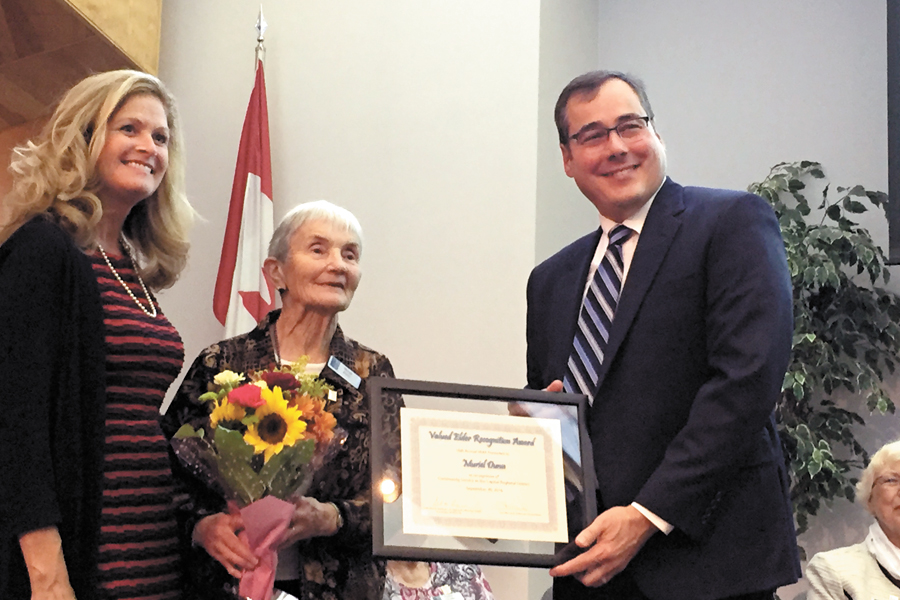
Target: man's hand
617	535
555	386
536	409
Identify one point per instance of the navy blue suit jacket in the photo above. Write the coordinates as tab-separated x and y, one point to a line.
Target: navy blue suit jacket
682	422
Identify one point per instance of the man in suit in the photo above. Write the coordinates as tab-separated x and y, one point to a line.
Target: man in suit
693	495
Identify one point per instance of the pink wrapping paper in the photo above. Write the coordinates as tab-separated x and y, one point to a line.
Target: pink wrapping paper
265	521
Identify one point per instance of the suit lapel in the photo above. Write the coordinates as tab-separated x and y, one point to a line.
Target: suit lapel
571	285
660	227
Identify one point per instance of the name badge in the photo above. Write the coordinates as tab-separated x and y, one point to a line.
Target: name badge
344	371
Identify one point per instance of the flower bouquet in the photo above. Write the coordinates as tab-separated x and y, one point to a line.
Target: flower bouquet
266	434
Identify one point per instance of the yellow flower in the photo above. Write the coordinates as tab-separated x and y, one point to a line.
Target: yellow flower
228	378
226	411
279	425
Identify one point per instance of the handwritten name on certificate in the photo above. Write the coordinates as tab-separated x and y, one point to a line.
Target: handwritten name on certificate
481	475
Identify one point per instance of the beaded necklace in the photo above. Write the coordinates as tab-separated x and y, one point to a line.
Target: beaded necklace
150	313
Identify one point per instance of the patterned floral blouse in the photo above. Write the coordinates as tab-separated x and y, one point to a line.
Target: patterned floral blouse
339	567
447	580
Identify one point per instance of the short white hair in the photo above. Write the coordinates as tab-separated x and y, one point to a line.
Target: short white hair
322	210
887	456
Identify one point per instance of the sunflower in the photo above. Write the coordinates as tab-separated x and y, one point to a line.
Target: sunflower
279	425
227	412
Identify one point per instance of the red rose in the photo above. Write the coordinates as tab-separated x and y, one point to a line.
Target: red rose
247	395
286	381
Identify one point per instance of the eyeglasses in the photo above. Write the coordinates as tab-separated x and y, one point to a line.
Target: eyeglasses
592	134
891	481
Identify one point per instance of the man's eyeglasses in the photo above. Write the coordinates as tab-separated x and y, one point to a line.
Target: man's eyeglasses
593	134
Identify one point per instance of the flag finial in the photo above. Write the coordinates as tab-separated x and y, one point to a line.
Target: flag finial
261	27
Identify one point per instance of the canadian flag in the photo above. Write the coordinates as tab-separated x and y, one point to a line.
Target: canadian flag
243	292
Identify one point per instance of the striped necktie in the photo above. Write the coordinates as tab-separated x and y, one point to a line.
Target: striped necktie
595	319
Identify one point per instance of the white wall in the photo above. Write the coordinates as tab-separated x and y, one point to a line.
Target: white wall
739	86
420	121
569	39
418	117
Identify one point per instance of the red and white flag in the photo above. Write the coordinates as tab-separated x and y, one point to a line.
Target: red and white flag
243	293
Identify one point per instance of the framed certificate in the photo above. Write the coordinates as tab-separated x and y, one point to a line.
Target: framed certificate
484	475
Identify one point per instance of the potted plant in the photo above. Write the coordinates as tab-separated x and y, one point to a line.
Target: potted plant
846	334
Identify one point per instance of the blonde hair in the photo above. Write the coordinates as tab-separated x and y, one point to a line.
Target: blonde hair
55	174
887	455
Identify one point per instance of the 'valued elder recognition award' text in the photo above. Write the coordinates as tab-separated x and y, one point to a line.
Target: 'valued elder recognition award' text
479	475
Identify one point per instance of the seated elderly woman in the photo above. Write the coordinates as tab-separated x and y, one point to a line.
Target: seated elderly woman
314	261
870	569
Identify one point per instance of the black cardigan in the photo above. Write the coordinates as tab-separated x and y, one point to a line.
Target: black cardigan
52	404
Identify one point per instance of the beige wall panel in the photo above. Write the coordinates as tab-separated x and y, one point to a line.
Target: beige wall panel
33	85
131	25
16	103
46	46
32	27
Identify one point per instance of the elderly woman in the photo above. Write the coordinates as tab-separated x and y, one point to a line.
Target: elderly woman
95	223
870	569
314	261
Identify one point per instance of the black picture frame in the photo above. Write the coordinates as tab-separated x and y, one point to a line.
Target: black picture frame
893	105
388	539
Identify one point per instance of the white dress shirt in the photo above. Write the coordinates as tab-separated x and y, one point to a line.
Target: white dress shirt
636	224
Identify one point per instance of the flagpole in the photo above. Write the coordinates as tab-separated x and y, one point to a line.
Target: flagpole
244	292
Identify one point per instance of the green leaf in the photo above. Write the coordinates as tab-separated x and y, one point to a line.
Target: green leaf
233	461
186	431
208	396
284	472
814	468
854	206
795	185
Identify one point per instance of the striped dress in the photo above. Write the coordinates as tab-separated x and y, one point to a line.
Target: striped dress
139	554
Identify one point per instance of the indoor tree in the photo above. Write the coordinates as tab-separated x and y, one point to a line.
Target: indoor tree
846	334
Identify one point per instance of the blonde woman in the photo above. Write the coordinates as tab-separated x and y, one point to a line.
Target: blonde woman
96	222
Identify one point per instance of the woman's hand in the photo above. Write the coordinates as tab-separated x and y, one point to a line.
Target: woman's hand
42	550
311	519
218	534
